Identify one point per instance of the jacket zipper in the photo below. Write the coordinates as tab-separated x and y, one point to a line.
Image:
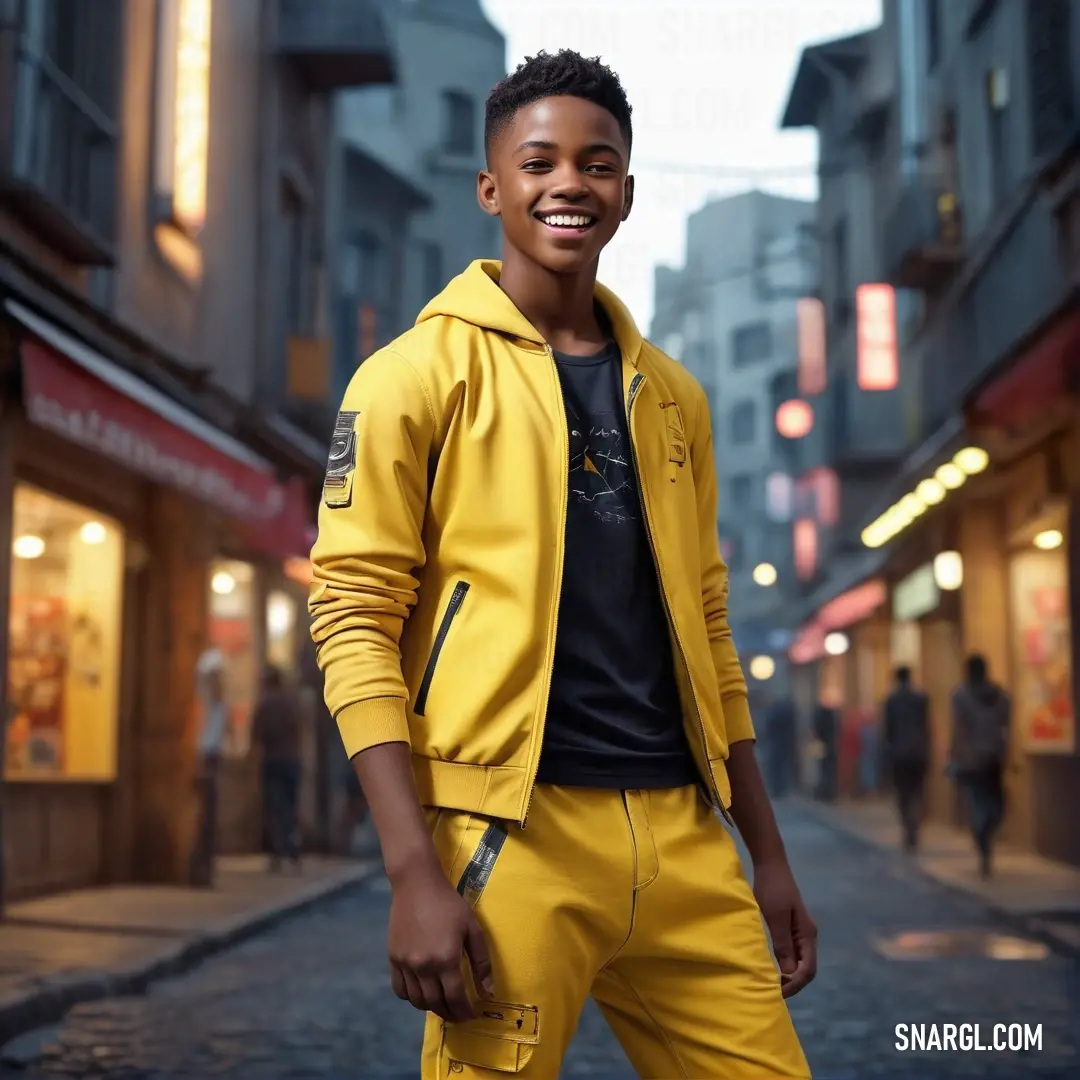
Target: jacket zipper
635	385
452	608
553	620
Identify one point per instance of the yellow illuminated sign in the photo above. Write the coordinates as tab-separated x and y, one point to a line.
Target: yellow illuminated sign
191	116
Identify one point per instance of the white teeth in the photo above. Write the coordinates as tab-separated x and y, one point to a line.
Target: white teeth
569	220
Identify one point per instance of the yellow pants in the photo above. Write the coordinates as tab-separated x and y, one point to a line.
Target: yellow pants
636	897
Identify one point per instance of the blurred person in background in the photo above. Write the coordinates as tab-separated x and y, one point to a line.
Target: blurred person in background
275	734
780	738
981	719
906	738
213	731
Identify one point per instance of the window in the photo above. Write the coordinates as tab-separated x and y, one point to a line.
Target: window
841	274
743	423
233	631
997	99
431	268
742	492
64	652
61	78
933	34
294	241
751	344
364	296
282	646
459	123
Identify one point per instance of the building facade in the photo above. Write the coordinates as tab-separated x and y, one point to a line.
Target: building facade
968	544
729	315
163	369
423	139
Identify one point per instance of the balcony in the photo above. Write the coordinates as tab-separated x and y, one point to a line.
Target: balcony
58	153
923	239
336	44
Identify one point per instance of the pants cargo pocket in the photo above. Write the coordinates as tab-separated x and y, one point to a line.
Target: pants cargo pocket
500	1039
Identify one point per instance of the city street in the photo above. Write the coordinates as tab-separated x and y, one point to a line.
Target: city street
312	998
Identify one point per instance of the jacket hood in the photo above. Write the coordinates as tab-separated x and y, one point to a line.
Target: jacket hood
474	297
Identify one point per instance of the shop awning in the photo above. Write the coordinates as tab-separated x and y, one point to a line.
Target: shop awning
87	399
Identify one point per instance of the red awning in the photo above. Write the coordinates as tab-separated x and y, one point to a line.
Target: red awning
1039	376
79	395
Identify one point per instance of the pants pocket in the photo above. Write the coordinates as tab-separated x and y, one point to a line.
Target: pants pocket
468	846
501	1038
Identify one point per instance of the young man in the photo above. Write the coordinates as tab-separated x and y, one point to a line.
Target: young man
907	750
521	610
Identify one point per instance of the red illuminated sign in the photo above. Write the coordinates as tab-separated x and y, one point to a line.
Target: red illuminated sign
810	320
805	544
853	606
875	309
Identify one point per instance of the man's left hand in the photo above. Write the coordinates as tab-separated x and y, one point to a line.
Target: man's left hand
794	935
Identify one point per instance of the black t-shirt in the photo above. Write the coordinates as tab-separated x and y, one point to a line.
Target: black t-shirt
613	719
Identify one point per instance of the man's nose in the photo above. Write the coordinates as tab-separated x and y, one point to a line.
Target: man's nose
568	183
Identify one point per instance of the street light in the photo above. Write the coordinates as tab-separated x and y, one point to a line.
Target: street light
1048	540
765	574
949	570
836	644
762	668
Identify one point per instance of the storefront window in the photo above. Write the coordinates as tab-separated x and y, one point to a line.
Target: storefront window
64	653
1042	649
232	630
281	611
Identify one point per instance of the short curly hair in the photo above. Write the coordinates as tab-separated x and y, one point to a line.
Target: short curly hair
565	73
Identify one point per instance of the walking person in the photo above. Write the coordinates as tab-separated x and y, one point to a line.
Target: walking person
981	722
213	732
907	741
275	734
522	612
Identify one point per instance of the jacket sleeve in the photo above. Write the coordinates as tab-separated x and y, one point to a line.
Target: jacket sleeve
369	548
715	584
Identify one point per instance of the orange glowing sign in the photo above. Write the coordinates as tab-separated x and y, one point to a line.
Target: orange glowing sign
191	119
794	419
875	310
810	320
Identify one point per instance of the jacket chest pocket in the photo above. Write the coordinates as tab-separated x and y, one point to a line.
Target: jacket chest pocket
457	598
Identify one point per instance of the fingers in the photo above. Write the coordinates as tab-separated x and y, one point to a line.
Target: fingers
805	937
456	997
780	930
479	959
434	986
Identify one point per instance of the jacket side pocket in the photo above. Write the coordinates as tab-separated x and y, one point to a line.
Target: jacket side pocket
452	608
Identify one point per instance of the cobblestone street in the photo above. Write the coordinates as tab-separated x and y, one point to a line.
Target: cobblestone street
312	998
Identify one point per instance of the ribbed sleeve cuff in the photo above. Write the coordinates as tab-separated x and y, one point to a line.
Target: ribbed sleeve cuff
373	722
737	719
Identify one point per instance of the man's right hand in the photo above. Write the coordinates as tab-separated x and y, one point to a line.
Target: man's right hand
432	929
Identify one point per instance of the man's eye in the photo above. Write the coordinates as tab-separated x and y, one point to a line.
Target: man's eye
534	165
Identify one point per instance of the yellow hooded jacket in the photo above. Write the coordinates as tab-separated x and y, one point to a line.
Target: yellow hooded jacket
438	565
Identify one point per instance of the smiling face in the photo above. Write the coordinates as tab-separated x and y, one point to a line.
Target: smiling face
557	177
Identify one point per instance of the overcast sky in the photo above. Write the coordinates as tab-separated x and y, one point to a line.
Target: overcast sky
707	80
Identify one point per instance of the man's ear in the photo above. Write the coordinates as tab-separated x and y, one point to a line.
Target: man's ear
487	194
628	197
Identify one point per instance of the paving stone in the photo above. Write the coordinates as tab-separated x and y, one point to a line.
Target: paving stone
311	998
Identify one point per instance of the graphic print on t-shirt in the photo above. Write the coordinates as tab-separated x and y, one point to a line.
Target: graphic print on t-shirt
601	475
